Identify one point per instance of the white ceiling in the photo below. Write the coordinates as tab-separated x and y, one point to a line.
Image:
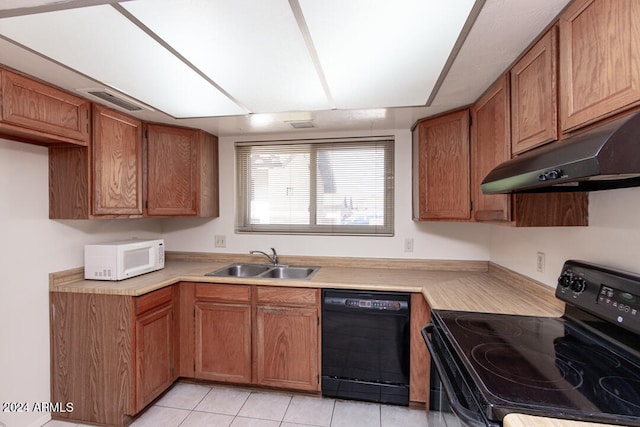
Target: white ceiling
254	66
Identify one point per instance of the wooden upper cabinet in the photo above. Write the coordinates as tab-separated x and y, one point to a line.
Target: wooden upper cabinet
103	180
599	60
181	172
117	163
534	100
441	168
490	146
37	113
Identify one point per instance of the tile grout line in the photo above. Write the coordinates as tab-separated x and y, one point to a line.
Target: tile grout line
333	411
195	406
286	410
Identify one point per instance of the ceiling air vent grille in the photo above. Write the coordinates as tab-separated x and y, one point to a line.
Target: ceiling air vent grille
109	97
301	124
115	98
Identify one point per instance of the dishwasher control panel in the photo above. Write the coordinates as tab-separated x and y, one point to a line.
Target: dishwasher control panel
371	304
375	304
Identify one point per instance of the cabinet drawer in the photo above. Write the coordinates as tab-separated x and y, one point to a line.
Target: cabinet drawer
227	293
290	296
153	300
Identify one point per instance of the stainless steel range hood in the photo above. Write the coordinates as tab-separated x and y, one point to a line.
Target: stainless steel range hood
602	158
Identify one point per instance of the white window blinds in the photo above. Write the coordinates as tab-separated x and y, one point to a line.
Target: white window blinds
315	186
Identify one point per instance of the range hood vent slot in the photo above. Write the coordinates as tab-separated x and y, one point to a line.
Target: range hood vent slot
602	158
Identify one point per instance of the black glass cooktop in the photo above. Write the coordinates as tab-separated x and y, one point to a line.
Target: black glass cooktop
543	366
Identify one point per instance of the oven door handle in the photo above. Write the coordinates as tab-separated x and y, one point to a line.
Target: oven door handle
469	417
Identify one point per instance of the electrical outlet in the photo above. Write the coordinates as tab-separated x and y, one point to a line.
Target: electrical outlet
220	241
540	262
408	244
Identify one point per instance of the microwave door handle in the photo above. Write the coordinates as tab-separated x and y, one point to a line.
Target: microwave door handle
469	417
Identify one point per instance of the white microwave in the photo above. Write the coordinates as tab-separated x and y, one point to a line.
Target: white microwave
123	259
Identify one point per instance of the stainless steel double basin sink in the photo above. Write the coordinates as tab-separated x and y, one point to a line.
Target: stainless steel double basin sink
265	271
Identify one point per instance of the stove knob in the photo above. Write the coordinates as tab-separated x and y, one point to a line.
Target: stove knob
578	285
565	279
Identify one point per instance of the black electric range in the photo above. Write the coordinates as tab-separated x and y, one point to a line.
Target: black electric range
583	366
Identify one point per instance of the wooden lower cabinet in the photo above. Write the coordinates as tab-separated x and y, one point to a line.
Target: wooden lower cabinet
420	360
223	333
287	347
155	349
92	357
111	355
261	335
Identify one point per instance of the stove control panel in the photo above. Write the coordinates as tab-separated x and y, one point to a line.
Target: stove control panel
570	281
611	295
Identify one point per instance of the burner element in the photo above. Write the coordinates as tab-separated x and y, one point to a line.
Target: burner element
624	389
494	328
540	370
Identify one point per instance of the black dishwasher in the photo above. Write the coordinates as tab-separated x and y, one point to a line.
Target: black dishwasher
365	345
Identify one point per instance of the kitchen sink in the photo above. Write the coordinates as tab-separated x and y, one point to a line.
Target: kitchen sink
265	271
285	272
240	270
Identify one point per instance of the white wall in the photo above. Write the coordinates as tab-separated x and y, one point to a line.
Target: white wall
32	246
612	238
431	240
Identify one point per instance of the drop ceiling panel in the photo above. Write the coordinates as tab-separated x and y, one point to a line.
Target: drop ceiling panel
85	38
380	53
101	43
252	49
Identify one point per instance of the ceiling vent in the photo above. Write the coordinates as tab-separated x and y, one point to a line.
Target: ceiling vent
301	124
115	98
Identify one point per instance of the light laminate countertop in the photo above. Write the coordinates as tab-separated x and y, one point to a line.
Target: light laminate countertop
452	285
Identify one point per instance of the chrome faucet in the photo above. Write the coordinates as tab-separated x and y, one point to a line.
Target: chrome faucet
273	258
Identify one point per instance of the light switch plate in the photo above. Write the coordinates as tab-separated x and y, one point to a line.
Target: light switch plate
220	241
540	262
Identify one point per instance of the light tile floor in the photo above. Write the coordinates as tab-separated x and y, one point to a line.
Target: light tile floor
197	405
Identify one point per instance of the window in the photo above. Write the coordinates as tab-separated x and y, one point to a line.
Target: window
315	186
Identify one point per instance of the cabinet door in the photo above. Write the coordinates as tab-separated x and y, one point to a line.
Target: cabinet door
117	163
599	53
420	359
223	342
181	172
92	348
154	354
441	168
172	171
35	112
534	111
287	351
490	146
